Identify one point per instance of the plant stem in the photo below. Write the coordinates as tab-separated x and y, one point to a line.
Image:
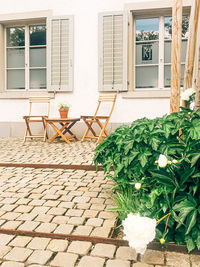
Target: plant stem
163	218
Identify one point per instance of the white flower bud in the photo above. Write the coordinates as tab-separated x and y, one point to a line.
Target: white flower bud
162	161
138	186
175	161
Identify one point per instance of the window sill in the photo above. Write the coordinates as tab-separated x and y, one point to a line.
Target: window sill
24	95
147	94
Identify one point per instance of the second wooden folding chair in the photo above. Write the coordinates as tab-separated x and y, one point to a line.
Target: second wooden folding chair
30	118
101	121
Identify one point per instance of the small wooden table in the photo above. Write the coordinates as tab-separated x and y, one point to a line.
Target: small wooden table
66	126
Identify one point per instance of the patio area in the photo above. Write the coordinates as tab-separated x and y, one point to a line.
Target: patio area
62	201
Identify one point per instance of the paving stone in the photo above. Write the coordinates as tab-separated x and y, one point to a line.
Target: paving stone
18	254
37	202
44	218
27	217
94	222
88	261
40	210
103	250
101	231
40	256
46	227
51	203
81	199
177	259
68	205
126	253
83	230
38	243
79	247
4	250
195	260
64	259
76	220
12	264
60	219
107	215
140	264
8	207
5	239
83	206
20	241
56	245
28	226
74	212
109	223
117	263
64	229
57	211
23	208
90	213
11	224
97	200
10	216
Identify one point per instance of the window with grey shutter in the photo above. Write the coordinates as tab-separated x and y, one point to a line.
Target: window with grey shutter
113	35
60	53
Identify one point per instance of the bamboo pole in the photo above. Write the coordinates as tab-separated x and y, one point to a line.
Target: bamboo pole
191	46
197	96
176	56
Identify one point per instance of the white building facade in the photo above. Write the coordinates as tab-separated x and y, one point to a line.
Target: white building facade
71	50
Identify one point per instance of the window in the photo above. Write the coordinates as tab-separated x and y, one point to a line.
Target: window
36	53
152	60
26	57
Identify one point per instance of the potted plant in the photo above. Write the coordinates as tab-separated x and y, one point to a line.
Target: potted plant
63	109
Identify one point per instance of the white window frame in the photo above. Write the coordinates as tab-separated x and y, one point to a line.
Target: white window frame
147	10
27	67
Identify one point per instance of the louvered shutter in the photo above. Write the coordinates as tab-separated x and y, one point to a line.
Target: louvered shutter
60	53
113	35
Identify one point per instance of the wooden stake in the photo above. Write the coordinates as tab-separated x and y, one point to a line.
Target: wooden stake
191	46
176	56
197	96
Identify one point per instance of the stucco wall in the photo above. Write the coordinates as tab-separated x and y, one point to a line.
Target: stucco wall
84	97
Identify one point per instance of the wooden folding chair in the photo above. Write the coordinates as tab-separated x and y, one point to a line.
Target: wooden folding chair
96	119
37	118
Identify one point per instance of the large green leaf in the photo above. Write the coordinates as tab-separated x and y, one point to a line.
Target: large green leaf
190	243
191	221
164	179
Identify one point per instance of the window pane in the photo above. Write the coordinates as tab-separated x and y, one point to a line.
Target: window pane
147	29
15	58
38	79
147	77
168	51
38	57
15	36
15	79
147	53
167	75
38	35
168	27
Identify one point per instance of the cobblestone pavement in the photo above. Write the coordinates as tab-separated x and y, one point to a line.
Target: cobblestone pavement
67	202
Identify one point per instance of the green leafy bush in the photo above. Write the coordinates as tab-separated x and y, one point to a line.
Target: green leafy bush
129	156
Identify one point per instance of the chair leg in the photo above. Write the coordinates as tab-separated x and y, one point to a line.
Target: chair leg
102	132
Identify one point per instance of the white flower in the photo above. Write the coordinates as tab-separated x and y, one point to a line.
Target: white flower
139	231
187	93
137	186
162	161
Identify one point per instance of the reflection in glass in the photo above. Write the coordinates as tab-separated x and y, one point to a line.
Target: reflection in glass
147	29
15	36
147	53
167	48
147	77
167	75
38	57
37	35
15	79
38	79
168	27
15	58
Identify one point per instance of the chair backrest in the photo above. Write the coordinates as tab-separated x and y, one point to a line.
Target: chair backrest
39	100
106	98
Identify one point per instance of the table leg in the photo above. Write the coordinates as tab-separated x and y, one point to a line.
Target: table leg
59	132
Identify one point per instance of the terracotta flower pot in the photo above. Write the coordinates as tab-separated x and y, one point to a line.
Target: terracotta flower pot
63	113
